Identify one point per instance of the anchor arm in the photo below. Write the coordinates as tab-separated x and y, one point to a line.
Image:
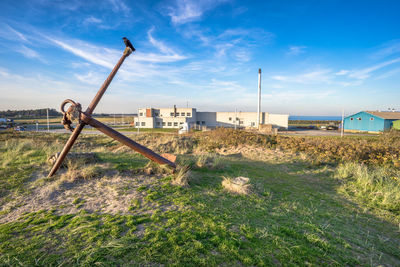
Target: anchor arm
150	154
66	148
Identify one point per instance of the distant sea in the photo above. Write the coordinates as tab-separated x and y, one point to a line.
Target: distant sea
315	118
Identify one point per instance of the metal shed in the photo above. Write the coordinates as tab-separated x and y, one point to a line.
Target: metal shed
370	121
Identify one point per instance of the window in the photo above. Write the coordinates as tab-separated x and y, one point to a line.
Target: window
163	124
183	114
188	114
141	114
143	123
137	123
253	123
230	118
172	114
158	123
359	118
240	122
351	119
181	123
237	118
197	122
203	122
156	114
175	124
169	123
371	119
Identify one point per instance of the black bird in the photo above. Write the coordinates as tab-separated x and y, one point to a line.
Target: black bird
128	44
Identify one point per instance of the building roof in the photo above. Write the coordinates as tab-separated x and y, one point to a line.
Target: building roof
386	114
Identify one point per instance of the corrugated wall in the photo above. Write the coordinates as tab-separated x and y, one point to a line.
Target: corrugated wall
364	121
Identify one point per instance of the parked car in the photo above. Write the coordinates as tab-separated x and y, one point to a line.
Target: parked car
19	128
332	127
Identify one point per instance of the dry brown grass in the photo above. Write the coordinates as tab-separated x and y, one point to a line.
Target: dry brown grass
182	176
239	185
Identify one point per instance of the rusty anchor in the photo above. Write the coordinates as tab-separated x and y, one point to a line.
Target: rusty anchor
85	118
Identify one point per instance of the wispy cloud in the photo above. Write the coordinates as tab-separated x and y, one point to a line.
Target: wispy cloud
119	6
70	5
295	50
235	44
317	76
388	49
90	78
93	54
185	11
225	86
9	33
366	73
158	44
91	20
342	72
389	74
27	52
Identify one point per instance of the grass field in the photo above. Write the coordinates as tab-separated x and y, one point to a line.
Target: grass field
107	210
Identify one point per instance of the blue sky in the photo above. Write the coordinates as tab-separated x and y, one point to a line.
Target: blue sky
317	57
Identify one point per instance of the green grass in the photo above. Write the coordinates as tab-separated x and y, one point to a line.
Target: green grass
297	214
377	186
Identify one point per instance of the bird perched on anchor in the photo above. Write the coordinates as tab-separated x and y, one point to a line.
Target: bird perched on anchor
128	44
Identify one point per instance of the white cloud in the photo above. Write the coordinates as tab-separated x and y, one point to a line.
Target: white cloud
92	20
27	52
159	45
342	72
96	55
366	73
389	74
108	57
186	11
225	86
9	33
295	50
316	76
388	49
119	6
90	78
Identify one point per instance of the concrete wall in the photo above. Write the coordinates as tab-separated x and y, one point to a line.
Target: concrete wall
278	120
162	118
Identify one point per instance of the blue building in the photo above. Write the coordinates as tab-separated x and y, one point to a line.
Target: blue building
370	121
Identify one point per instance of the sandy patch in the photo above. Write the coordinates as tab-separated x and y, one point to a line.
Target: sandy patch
111	193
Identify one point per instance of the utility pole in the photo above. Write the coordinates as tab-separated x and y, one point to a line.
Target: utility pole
48	122
138	121
342	130
235	117
114	119
259	99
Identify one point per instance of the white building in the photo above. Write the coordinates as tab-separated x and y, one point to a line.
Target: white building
174	117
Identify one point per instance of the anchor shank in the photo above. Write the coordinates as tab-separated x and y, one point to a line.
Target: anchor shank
125	140
107	82
66	148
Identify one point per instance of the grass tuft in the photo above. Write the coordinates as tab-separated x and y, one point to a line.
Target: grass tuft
239	185
377	186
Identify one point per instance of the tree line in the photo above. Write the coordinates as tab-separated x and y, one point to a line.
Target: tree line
34	113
